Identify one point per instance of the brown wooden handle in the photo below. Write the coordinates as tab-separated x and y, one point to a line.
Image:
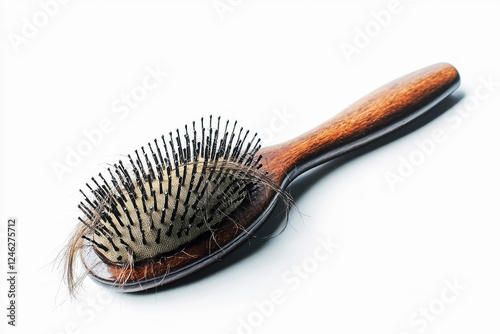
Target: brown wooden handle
378	113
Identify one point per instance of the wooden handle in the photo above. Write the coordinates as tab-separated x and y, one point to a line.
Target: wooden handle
378	113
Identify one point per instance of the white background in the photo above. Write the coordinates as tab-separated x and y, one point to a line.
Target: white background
399	244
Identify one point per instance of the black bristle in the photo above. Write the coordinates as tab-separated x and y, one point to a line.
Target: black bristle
86	224
160	156
186	201
134	202
202	152
95	193
116	213
214	150
230	143
127	213
141	227
186	209
123	174
176	162
101	227
129	183
109	220
209	139
167	156
201	223
115	184
121	202
244	154
257	161
138	177
121	178
130	233
128	248
180	149
193	216
162	220
202	192
153	154
106	186
104	248
86	211
158	235
174	212
143	200
221	173
87	200
188	145
179	232
171	142
169	230
140	165
238	152
256	147
202	176
150	183
154	200
102	191
184	171
237	145
160	178
116	249
194	143
148	163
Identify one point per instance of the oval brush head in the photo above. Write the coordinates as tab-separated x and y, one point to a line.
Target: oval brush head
179	189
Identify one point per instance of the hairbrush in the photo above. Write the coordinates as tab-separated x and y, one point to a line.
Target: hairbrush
185	200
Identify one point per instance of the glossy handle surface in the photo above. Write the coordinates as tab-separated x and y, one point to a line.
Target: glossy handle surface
376	114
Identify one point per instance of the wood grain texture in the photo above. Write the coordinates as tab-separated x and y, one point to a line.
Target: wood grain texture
388	107
378	113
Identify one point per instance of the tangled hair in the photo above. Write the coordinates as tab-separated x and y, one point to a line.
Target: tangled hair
240	182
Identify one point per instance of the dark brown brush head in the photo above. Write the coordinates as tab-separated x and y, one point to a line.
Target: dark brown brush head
169	194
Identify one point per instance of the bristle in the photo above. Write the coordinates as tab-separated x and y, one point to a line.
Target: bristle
130	220
153	193
143	200
167	157
104	248
202	144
